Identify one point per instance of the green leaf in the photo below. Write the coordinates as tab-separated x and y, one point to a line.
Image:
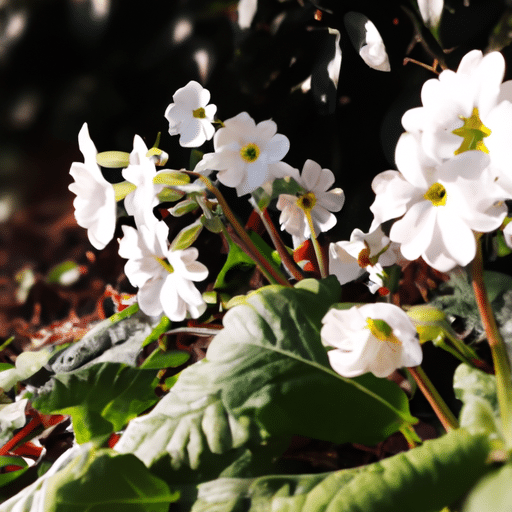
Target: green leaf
100	399
65	273
8	477
106	482
424	479
162	327
470	382
272	366
159	359
237	262
266	372
477	390
187	236
493	492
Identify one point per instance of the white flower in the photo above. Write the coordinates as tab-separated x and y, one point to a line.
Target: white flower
164	277
247	154
12	417
374	52
365	252
321	202
246	11
431	11
467	110
95	202
191	116
140	172
441	206
377	338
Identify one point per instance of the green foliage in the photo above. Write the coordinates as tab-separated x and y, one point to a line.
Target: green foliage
493	492
159	359
103	481
477	391
266	373
424	479
100	399
8	477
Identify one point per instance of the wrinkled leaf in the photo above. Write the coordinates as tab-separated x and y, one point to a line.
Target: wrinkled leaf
100	399
266	372
477	390
493	492
424	479
107	482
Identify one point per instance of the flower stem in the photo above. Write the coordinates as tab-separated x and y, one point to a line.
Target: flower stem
323	263
285	256
272	275
498	350
446	417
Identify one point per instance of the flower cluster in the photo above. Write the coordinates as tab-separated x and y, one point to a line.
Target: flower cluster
454	172
454	176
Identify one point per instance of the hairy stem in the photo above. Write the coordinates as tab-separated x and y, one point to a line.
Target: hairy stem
498	350
446	417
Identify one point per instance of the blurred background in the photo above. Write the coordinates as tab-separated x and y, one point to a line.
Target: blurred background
116	64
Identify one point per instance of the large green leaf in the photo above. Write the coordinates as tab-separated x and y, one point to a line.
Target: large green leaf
266	372
493	493
424	479
85	479
100	399
105	482
271	365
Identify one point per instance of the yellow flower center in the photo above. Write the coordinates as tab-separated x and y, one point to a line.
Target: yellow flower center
473	132
199	113
307	202
363	258
250	152
436	194
165	264
381	330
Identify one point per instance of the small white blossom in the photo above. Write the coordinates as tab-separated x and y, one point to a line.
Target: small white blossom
190	116
374	52
247	154
440	207
365	252
431	11
95	201
164	277
377	338
317	198
140	172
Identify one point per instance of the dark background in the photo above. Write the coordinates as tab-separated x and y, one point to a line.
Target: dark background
61	65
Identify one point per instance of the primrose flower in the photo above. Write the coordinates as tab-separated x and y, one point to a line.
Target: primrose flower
440	207
141	171
467	110
317	200
95	201
164	277
377	338
374	52
247	154
365	252
190	116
